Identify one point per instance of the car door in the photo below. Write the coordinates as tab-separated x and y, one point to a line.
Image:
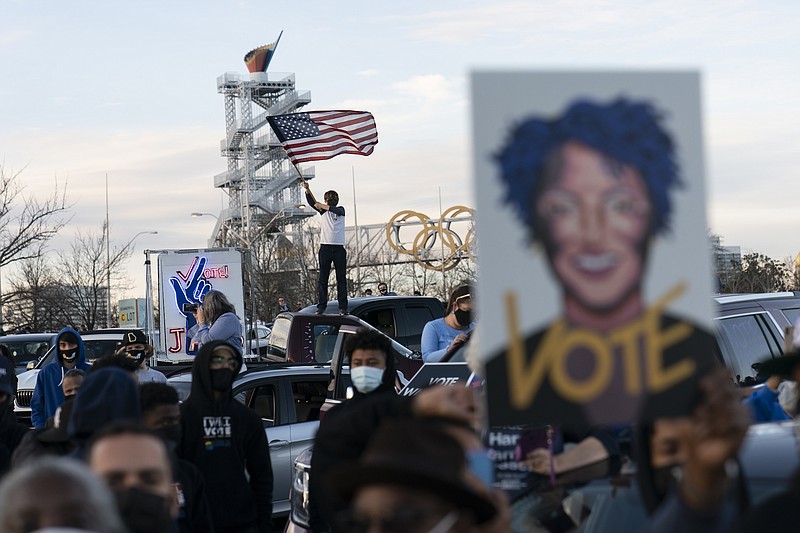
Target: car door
267	398
745	339
308	394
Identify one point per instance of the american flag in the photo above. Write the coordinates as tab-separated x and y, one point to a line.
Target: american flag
318	135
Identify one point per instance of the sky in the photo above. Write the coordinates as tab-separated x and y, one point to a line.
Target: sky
127	90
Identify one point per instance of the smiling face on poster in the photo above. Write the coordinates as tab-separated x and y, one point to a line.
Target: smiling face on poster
595	273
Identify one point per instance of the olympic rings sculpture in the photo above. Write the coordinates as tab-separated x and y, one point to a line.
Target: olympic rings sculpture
437	246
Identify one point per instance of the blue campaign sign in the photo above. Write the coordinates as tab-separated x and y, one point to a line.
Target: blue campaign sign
437	374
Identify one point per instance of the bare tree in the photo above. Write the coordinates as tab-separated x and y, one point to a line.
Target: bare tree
758	273
83	272
35	297
27	223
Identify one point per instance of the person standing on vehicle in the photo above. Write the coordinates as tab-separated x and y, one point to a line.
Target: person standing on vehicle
450	331
47	394
226	441
216	321
331	248
372	374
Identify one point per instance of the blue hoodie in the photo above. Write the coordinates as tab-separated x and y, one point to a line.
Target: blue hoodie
48	395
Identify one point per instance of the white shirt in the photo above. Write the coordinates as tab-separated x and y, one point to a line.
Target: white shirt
332	227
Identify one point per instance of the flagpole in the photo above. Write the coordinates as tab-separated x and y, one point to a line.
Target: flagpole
300	174
441	242
355	217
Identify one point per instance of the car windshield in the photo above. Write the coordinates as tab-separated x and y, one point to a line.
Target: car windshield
27	351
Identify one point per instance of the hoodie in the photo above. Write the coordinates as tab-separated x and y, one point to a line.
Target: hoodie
107	395
227	442
47	394
342	436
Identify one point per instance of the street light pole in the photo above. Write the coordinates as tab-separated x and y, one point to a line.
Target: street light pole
108	268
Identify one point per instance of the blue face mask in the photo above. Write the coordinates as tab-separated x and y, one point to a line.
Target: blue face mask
481	465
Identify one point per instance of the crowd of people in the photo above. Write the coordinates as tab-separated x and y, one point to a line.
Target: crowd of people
112	448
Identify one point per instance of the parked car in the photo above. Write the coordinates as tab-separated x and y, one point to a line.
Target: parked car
751	328
97	344
260	338
311	338
27	347
288	398
400	317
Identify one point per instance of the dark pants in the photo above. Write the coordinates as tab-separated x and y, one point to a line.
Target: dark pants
332	253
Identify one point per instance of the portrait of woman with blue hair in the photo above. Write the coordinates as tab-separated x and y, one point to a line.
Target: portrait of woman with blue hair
592	187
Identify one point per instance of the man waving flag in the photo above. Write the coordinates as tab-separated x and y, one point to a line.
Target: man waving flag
318	135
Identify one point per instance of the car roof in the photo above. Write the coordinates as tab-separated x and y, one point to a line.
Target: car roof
264	371
22	337
755	297
354	302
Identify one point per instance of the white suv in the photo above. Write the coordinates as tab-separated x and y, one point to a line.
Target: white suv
96	344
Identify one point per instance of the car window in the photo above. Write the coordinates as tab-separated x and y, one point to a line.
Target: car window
308	395
791	315
381	319
746	340
418	316
96	348
262	400
324	340
25	351
279	338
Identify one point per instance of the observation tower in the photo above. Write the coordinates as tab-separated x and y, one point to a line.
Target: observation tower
262	186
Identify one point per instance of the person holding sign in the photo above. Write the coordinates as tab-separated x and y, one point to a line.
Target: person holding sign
593	189
450	331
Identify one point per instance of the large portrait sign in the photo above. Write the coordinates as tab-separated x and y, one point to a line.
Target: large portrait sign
595	274
184	278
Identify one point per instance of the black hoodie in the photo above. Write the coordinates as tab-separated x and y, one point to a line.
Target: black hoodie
227	442
343	435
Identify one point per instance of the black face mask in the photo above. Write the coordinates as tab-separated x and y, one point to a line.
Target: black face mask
171	435
142	511
221	379
69	355
464	318
664	480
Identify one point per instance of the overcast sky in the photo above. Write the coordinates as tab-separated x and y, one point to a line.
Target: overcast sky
128	89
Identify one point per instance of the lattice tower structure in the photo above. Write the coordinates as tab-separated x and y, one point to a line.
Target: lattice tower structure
261	185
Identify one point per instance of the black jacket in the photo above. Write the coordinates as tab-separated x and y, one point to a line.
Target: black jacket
343	435
226	441
11	434
194	512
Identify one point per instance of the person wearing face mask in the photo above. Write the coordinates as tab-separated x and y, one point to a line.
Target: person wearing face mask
372	374
133	353
134	464
450	331
48	394
226	441
161	414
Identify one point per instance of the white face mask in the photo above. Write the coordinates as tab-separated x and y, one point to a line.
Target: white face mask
366	378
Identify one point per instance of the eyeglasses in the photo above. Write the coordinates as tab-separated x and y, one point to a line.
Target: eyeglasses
465	299
229	361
